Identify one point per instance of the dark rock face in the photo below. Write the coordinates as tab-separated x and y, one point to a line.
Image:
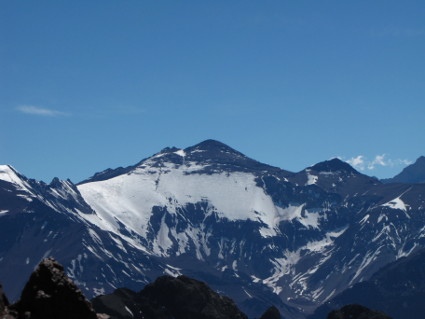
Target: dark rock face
169	297
271	313
50	294
356	312
188	298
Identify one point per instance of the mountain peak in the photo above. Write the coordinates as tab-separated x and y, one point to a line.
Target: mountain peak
333	165
212	145
217	156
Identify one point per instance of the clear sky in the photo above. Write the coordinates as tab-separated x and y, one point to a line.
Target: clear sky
90	85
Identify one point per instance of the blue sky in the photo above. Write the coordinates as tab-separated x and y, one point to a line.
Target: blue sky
90	85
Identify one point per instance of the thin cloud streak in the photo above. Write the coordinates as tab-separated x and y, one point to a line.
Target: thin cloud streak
40	111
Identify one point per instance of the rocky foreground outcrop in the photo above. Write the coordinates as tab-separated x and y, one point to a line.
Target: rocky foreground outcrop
50	294
169	297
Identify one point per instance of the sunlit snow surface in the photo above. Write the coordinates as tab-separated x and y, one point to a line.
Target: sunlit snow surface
130	198
397	203
8	174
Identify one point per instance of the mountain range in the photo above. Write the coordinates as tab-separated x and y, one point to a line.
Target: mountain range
256	233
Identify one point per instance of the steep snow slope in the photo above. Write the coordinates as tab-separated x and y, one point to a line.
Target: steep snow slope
130	199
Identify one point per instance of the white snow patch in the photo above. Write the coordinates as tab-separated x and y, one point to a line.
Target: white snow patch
162	243
311	179
247	293
381	217
182	153
401	253
99	291
305	217
397	203
365	219
172	271
235	265
95	236
370	257
282	266
8	174
255	280
129	311
3	211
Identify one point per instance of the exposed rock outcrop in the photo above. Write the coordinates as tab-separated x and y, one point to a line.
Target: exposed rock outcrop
271	313
169	297
50	294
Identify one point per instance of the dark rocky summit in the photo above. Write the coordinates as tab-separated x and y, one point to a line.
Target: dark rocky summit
356	312
271	313
50	294
169	297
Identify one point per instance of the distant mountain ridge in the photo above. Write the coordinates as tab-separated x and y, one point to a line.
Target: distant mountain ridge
261	235
414	173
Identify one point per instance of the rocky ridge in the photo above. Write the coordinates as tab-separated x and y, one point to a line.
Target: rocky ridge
51	294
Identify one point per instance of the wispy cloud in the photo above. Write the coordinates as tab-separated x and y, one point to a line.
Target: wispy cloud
41	111
363	163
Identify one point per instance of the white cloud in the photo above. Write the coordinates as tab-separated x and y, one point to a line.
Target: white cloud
35	110
362	163
357	162
379	160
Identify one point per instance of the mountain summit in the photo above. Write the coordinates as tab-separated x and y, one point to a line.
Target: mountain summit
208	157
334	176
333	165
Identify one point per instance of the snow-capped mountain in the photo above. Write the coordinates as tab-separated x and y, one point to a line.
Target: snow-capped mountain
39	220
257	233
